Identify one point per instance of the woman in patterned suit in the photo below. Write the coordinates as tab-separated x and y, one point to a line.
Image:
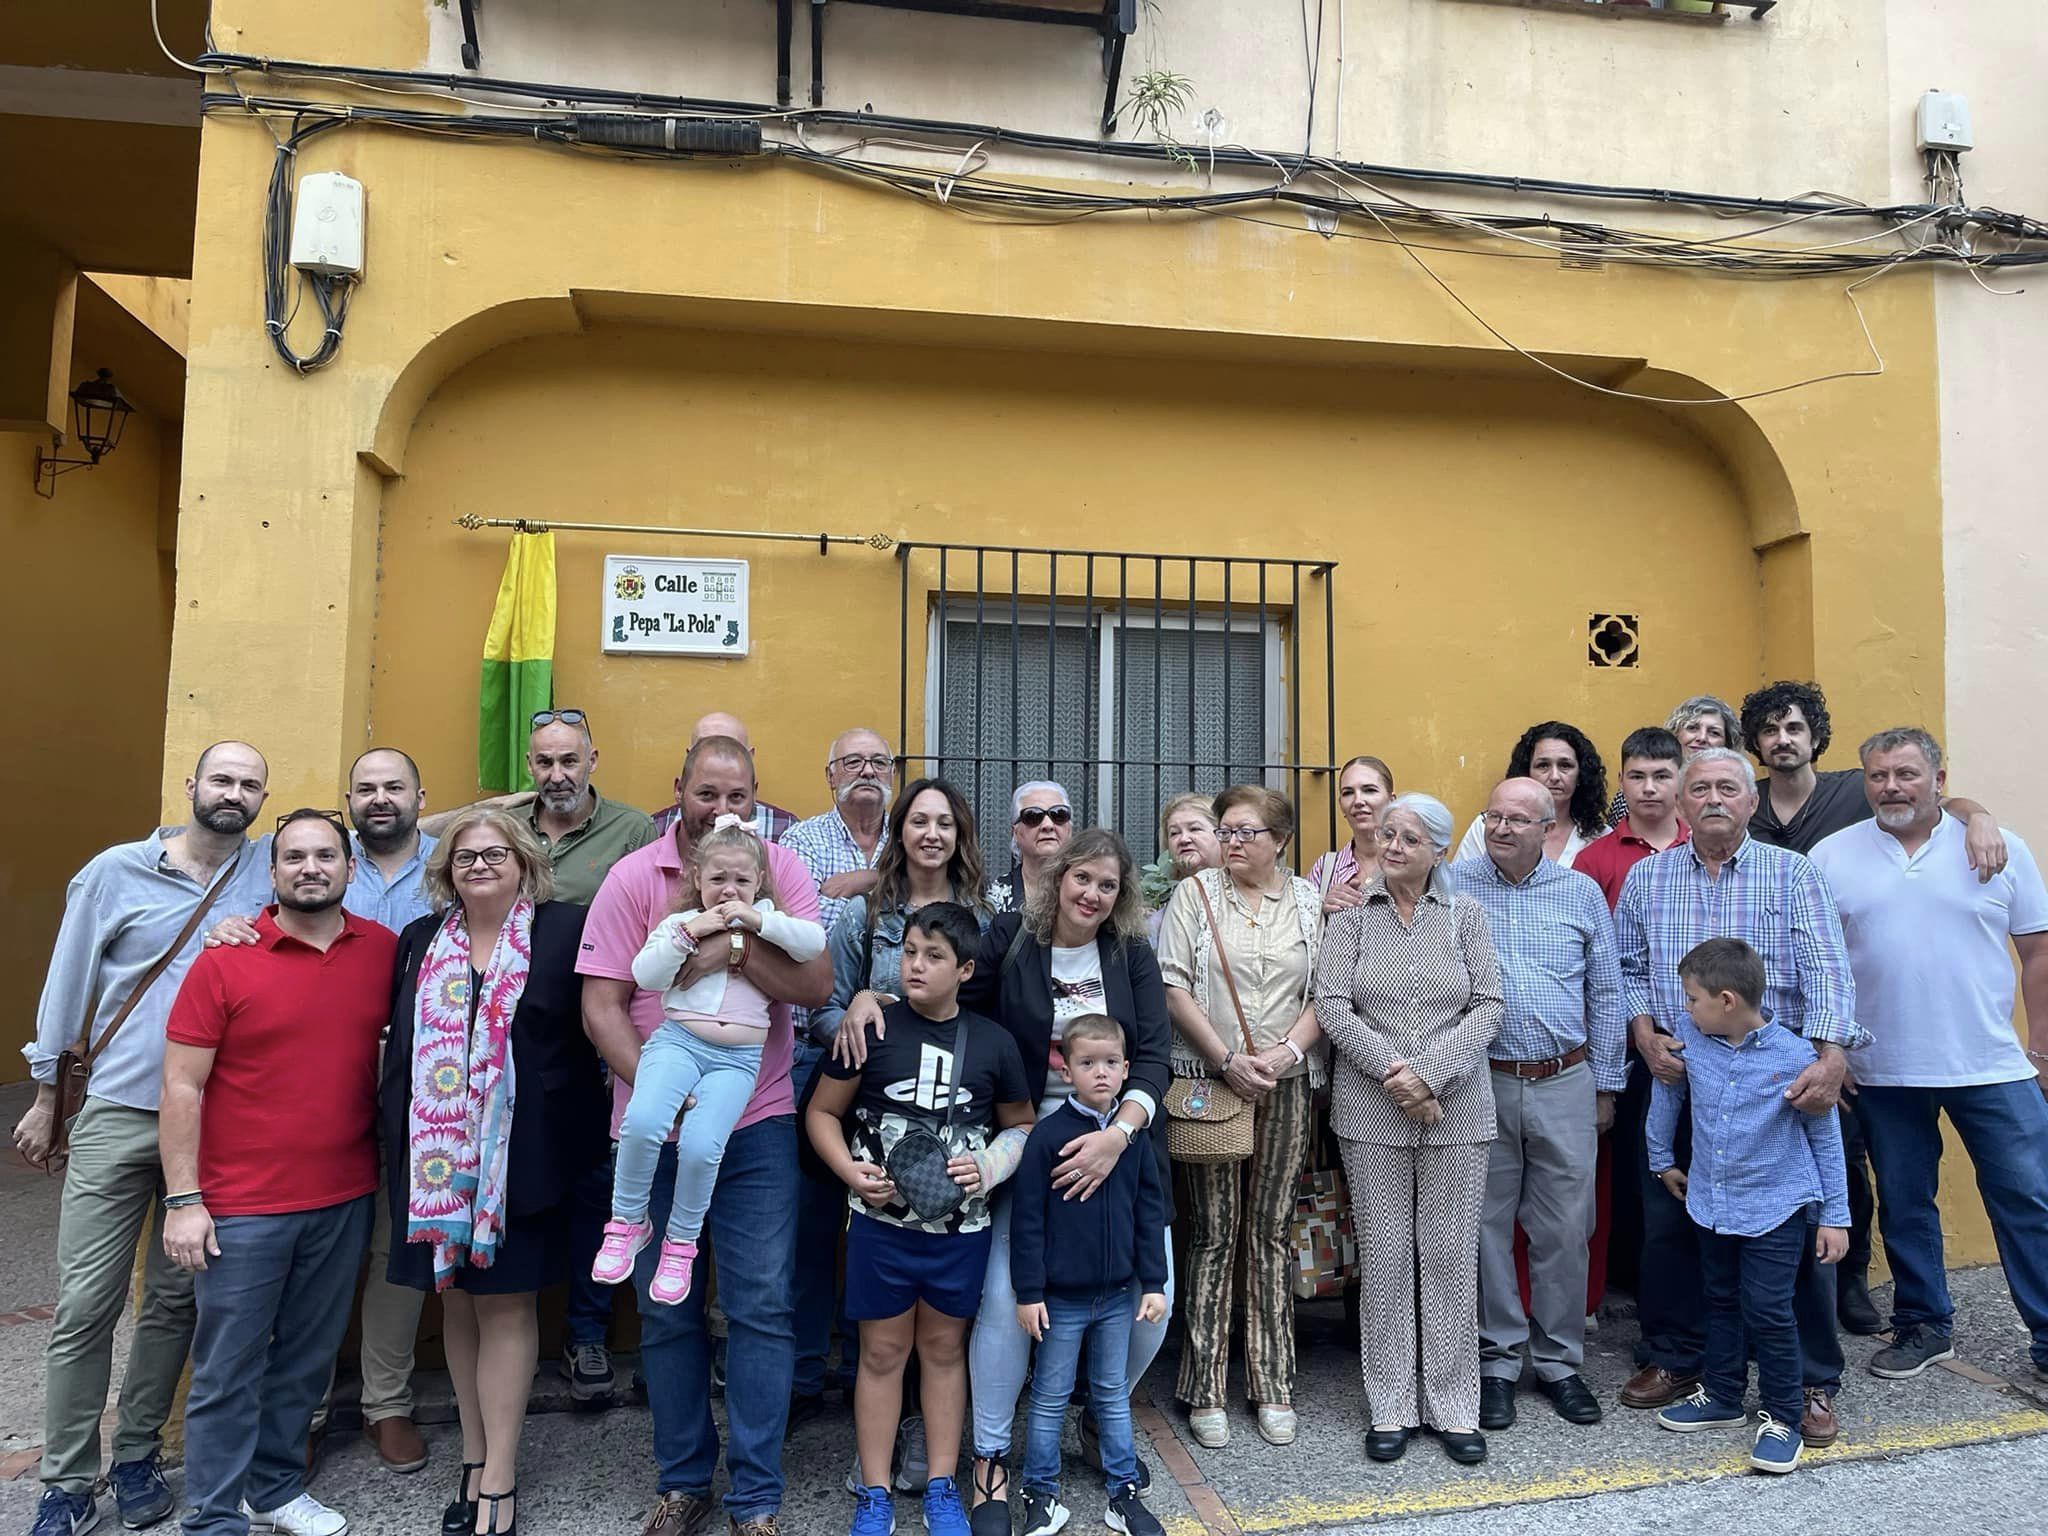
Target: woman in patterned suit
1408	992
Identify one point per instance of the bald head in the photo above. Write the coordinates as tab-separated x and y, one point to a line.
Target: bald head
1525	795
1519	814
719	723
228	787
242	751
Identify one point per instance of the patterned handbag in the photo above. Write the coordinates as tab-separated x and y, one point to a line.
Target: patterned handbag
917	1163
1325	1248
1208	1121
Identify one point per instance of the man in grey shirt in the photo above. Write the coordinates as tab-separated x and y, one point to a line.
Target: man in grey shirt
122	912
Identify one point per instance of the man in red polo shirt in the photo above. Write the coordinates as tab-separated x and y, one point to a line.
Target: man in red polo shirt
1651	760
269	1154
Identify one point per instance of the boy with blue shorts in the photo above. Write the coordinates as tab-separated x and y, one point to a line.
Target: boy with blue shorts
916	1255
1761	1172
1084	1271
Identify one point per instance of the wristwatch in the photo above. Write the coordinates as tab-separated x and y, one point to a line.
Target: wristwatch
736	958
1128	1131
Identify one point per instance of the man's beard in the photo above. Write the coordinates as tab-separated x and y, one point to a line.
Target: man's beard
295	902
560	802
400	830
221	816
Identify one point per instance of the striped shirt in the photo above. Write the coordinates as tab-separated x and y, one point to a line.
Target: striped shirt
1774	901
1559	969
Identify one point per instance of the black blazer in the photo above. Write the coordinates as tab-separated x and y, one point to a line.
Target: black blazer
1019	997
561	1119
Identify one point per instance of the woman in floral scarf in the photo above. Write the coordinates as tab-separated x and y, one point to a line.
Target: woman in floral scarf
490	1095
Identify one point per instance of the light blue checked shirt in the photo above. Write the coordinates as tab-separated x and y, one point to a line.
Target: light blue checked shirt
1559	969
1756	1161
827	848
1774	900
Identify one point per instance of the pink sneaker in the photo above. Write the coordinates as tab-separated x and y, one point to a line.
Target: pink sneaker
623	1241
671	1281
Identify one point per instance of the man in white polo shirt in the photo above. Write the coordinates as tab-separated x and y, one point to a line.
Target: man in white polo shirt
1934	986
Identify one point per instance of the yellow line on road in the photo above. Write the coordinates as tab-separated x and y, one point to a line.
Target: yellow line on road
1582	1482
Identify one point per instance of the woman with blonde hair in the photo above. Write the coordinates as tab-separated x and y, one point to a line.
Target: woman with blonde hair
1237	950
1364	785
491	1098
1187	843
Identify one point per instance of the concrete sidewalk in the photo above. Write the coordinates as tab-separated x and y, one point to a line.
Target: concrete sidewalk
1955	1446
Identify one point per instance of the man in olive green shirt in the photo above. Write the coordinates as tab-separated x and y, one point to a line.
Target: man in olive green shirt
584	833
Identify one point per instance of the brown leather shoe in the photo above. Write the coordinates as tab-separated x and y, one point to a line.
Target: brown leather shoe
398	1444
1655	1387
679	1514
760	1525
1818	1426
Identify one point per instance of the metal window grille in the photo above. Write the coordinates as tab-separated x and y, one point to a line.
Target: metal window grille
1127	678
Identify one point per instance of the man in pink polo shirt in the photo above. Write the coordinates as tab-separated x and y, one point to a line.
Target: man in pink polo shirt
752	1221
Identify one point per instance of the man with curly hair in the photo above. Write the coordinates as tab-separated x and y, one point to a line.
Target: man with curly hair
1788	728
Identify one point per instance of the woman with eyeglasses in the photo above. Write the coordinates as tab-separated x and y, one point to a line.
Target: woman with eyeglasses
1041	824
491	1101
1409	993
1236	950
1364	785
1563	759
1078	947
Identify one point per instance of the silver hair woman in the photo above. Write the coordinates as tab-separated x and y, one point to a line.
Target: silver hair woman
1041	823
1408	991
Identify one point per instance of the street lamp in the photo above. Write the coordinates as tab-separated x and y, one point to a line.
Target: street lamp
99	413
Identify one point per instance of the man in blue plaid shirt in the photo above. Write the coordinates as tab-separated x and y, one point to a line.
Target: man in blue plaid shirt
1725	884
1557	1064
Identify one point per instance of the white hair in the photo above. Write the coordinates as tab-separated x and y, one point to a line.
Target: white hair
1720	755
1434	815
1033	787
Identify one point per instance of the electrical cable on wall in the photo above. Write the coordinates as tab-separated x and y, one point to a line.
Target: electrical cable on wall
331	291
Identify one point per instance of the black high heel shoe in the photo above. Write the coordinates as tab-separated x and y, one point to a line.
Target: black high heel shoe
490	1519
459	1518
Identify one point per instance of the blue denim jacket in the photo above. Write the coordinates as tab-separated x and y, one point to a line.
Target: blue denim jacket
848	946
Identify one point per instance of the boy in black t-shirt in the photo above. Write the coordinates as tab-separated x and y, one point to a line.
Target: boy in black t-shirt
915	1277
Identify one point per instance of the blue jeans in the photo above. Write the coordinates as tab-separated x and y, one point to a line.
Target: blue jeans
587	1316
820	1219
2004	1127
999	1352
1749	1283
272	1311
752	1226
673	1065
1102	1320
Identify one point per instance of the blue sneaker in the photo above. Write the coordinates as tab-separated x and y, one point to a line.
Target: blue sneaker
65	1514
1700	1412
943	1515
140	1492
874	1513
1777	1446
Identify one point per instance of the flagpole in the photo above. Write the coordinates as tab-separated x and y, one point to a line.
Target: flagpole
471	522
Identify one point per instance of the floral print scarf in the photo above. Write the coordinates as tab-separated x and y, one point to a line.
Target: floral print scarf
459	1124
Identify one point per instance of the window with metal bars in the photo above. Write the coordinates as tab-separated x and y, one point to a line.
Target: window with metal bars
1126	678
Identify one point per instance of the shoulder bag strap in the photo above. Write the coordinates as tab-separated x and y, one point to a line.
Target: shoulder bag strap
1223	962
959	1067
94	1048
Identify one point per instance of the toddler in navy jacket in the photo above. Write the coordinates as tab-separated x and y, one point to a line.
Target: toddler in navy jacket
1084	1271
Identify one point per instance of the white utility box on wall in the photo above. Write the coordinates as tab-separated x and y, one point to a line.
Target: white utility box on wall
327	225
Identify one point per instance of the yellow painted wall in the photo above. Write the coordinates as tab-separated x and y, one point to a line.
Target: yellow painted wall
86	628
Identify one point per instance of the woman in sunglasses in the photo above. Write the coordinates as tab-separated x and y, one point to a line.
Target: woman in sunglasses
1041	824
491	1100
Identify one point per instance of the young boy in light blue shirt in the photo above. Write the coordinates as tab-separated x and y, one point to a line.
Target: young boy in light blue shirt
1761	1171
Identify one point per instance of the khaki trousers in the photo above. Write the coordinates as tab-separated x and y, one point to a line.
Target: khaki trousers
111	1189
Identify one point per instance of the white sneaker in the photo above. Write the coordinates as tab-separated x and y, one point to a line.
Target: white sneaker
304	1516
1210	1427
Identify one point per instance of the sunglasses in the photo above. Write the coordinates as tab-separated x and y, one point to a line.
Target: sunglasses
307	813
543	717
1058	815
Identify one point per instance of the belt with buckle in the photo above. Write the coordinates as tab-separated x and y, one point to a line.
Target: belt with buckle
1536	1071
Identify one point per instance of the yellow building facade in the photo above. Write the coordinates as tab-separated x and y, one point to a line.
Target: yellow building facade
758	346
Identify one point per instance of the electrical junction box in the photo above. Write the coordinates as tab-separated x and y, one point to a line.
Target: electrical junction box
327	225
1944	121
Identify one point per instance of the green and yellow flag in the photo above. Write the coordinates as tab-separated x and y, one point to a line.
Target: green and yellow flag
519	662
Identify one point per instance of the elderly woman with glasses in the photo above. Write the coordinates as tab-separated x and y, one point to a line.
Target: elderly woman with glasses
1409	993
491	1101
1237	949
1041	824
